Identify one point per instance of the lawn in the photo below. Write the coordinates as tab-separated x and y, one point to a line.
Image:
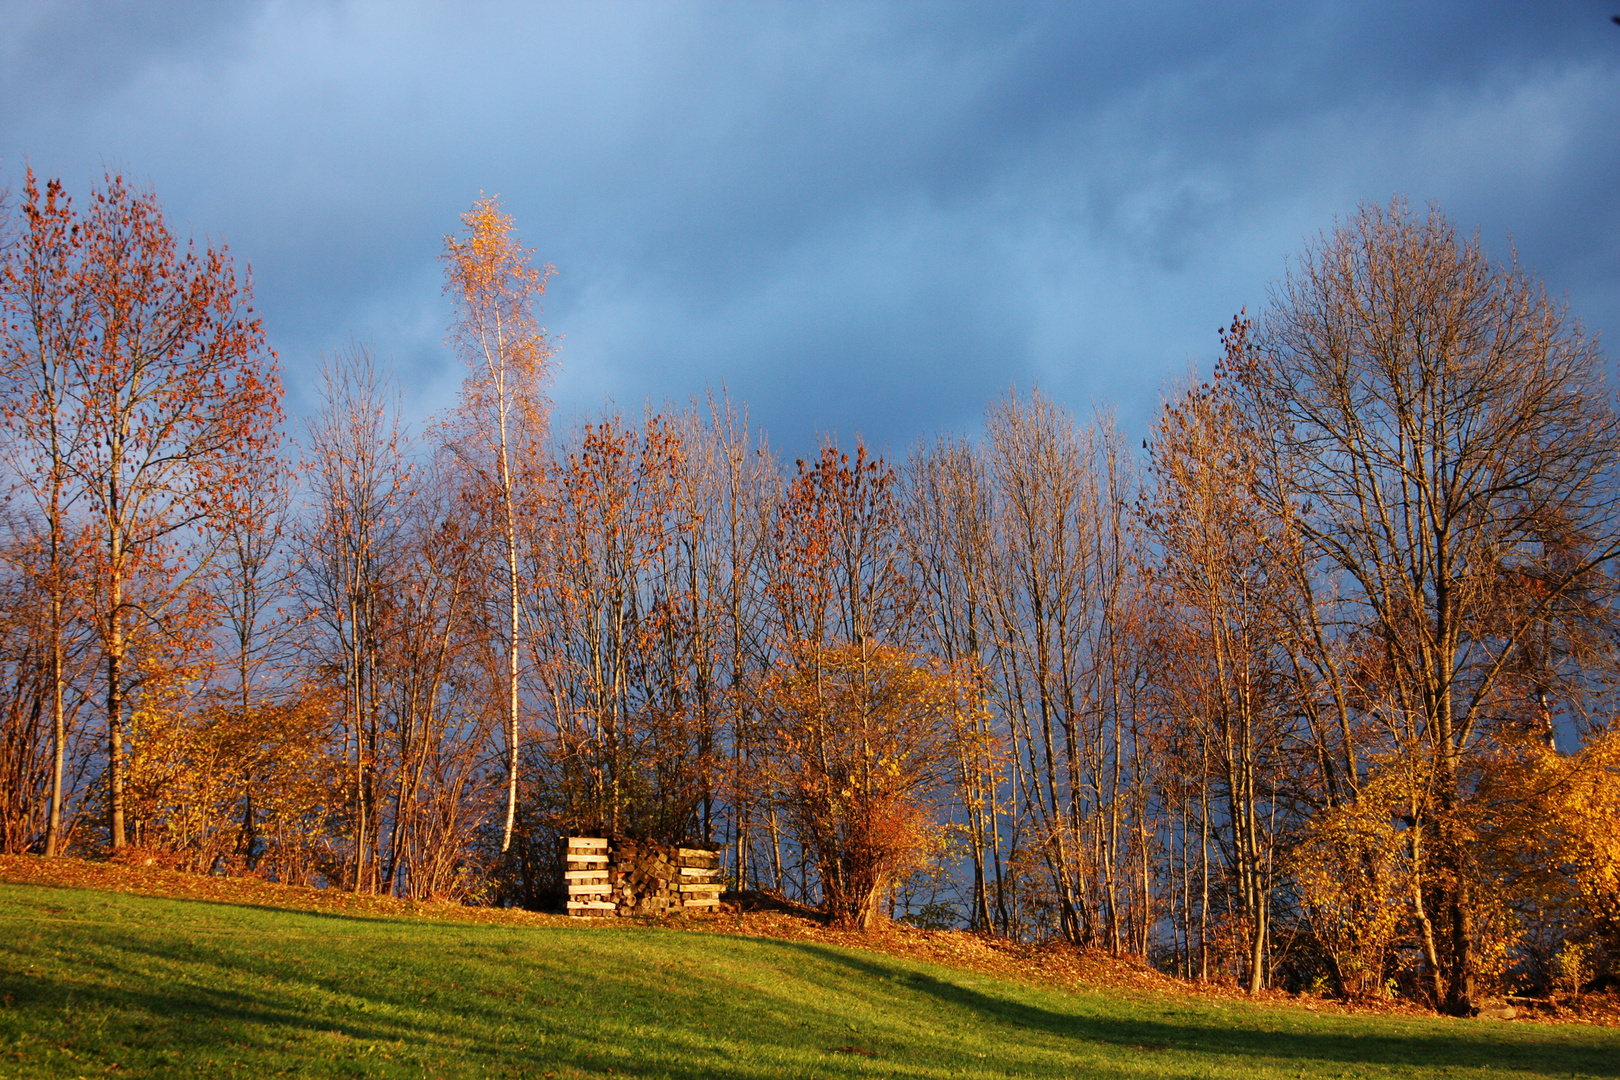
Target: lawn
98	983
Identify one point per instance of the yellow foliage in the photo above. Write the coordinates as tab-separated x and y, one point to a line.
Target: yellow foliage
1557	831
1354	877
227	782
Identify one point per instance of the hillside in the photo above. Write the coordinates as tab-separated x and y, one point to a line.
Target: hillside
243	978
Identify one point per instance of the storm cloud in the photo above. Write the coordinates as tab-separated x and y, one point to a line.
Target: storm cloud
855	217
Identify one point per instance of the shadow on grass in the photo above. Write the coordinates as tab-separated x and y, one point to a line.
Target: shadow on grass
198	1024
1474	1044
492	1027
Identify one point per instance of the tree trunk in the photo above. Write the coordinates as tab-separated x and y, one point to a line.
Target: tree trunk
115	724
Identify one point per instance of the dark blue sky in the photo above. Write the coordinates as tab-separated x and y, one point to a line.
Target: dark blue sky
857	216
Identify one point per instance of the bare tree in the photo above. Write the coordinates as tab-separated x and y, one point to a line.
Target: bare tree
180	397
1222	592
1441	431
359	485
1046	592
437	672
728	489
949	528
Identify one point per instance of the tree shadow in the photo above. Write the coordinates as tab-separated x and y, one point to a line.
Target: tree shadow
1471	1043
202	1016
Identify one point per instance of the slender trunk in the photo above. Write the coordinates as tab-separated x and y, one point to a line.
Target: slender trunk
402	778
1145	924
1111	823
511	661
372	725
1431	953
1203	902
1186	896
358	715
53	826
246	838
776	846
115	652
51	381
115	723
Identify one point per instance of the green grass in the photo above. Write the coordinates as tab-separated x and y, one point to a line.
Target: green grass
95	983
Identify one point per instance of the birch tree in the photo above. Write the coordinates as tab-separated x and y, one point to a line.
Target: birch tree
494	285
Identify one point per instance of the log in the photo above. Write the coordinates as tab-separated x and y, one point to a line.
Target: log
619	875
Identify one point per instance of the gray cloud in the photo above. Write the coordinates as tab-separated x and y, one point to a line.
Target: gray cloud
857	217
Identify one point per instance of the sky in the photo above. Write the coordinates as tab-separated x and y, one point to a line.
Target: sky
856	217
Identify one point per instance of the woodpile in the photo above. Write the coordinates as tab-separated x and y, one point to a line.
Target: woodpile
623	877
585	876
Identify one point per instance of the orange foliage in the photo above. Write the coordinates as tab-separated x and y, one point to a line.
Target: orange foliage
502	415
179	401
864	740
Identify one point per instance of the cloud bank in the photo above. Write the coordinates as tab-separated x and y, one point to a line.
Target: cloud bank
855	217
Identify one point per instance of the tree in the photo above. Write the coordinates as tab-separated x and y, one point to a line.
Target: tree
608	530
840	571
360	483
949	528
726	493
252	575
864	739
42	335
1057	595
179	398
1223	591
436	662
29	776
1440	431
494	285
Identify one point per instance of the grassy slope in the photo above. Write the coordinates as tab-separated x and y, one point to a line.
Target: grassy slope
98	983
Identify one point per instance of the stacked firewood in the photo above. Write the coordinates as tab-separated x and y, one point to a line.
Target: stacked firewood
699	876
623	876
586	876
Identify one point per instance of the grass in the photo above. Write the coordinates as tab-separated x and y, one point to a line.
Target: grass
96	983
